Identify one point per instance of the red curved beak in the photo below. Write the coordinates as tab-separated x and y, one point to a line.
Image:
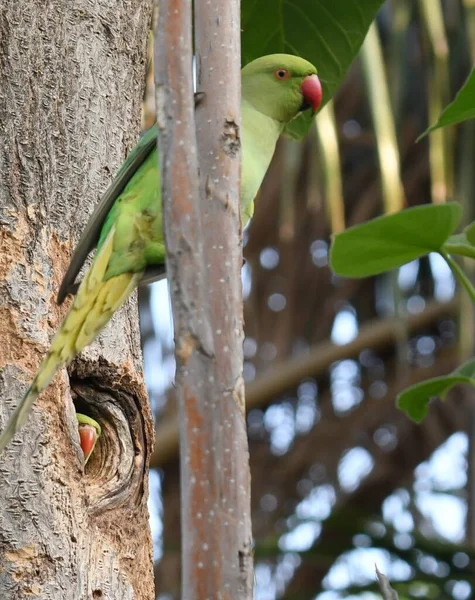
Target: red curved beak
312	92
87	437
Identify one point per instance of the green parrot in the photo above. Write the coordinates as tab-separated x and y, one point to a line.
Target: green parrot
126	227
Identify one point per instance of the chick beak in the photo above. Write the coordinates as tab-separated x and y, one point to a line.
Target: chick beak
312	93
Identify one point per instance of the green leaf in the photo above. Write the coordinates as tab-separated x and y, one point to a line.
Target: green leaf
415	399
467	369
298	128
328	33
390	241
461	109
470	232
459	244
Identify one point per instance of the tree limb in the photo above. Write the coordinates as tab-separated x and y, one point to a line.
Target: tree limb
375	334
204	256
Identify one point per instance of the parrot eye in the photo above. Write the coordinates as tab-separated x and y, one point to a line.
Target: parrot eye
282	74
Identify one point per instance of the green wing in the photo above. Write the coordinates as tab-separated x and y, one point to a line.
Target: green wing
92	232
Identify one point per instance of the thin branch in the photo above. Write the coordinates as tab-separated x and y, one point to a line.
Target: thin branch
460	274
386	589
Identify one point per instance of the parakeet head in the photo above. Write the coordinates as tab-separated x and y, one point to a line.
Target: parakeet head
281	86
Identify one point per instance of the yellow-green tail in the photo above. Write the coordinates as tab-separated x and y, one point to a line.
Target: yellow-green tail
95	303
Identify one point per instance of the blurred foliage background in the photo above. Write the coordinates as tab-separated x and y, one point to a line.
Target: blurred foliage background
341	480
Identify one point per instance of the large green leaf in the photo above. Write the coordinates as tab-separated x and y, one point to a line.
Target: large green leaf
415	399
390	241
328	33
461	109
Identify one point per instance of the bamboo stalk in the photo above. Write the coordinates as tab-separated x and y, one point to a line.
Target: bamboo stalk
388	153
292	161
469	14
398	64
440	140
325	126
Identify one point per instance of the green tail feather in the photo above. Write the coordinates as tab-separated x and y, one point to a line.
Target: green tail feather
19	416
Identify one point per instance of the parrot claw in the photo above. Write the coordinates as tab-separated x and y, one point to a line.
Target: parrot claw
89	432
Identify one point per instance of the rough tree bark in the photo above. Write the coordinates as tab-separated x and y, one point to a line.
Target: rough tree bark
204	258
71	80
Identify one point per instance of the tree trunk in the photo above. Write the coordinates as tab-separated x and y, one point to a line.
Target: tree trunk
71	80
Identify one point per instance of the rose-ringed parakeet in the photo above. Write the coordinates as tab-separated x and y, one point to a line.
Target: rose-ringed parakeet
126	227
